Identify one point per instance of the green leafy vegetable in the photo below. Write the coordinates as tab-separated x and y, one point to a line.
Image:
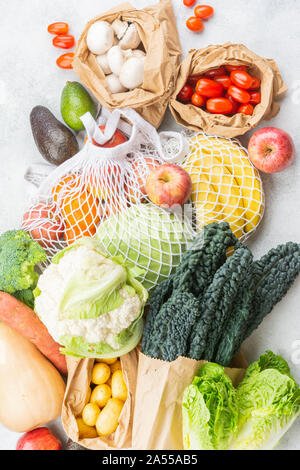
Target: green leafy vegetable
268	402
266	283
227	297
184	307
147	237
209	410
19	255
217	303
255	416
91	304
205	256
26	296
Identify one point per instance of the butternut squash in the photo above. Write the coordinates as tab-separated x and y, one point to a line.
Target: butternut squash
31	389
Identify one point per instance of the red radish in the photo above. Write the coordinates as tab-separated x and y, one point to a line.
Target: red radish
39	439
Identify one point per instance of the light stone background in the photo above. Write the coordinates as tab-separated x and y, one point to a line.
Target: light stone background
29	77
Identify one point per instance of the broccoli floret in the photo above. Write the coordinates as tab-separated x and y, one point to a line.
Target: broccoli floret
19	254
26	296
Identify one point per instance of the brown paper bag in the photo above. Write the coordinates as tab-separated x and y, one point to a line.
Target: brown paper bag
157	421
157	29
202	60
79	379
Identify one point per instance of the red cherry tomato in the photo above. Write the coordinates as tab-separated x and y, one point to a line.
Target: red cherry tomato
195	24
246	109
231	68
242	96
219	106
209	88
204	11
185	94
65	61
255	97
235	104
58	28
215	72
241	79
255	84
193	79
189	3
224	80
198	100
64	41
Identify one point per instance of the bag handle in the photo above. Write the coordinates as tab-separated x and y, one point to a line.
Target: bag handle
112	124
138	131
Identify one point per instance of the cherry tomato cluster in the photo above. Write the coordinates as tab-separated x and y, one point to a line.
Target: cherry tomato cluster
201	12
62	40
228	89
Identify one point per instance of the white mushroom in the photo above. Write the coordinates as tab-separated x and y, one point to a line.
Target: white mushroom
114	84
115	59
120	27
131	39
132	73
100	37
103	62
136	53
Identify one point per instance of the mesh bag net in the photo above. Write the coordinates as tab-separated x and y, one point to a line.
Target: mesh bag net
226	186
101	192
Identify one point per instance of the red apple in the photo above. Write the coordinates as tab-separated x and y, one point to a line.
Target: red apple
169	185
39	439
44	224
271	150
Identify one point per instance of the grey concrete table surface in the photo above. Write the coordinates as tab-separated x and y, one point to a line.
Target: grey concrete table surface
29	76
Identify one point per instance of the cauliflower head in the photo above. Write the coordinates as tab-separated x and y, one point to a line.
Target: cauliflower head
91	304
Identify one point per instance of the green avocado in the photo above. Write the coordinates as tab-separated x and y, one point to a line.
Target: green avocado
76	101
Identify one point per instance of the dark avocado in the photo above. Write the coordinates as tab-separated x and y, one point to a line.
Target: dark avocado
54	140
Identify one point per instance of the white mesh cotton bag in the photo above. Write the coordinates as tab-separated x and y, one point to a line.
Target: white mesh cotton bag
101	192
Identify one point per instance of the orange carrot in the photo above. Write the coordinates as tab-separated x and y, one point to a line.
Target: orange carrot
26	322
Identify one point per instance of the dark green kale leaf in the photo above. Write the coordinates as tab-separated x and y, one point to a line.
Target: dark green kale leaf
186	311
278	270
266	284
217	304
206	255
